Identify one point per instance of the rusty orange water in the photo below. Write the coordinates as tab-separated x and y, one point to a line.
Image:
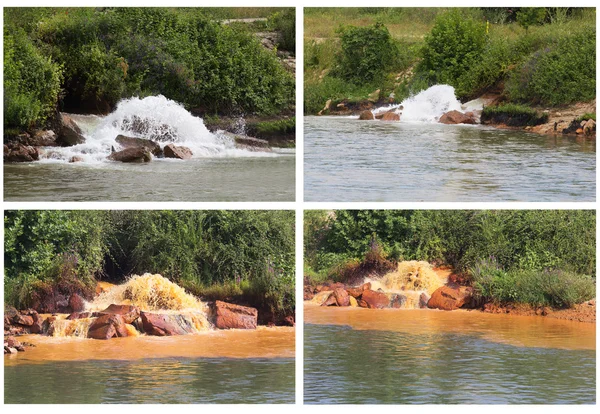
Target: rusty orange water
527	331
260	343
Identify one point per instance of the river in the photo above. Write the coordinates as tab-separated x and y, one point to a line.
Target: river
419	159
210	367
218	170
366	356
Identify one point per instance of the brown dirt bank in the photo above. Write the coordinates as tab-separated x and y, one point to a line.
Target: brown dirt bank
583	312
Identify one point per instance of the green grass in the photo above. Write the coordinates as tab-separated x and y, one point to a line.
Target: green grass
587	116
512	115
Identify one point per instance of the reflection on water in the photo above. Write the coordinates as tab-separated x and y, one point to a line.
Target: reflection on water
170	381
203	179
345	366
351	160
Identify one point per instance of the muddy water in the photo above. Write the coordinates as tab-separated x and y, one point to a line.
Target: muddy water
215	366
350	160
362	356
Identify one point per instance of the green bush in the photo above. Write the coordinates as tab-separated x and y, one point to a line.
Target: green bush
558	74
530	16
512	115
367	53
455	43
284	22
31	82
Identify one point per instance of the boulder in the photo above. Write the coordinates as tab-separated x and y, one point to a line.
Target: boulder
456	117
423	300
589	127
43	139
174	151
10	350
374	96
375	300
353	302
76	303
229	316
129	313
321	297
131	142
447	298
164	325
131	155
75	158
331	300
390	116
21	153
250	143
397	301
69	133
107	326
38	323
24	320
79	315
354	292
341	297
366	116
12	342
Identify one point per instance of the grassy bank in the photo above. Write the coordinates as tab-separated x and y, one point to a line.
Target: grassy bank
531	56
241	256
87	59
538	257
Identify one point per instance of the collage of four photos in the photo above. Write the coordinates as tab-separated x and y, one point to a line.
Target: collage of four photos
469	131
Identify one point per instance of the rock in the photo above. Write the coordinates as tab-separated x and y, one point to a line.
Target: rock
353	302
164	325
9	350
579	131
22	153
354	292
131	142
10	312
76	158
149	129
131	155
79	315
390	116
12	342
589	127
331	300
375	300
366	116
250	143
289	321
129	313
229	316
43	139
107	326
456	117
326	108
397	301
321	297
423	300
374	96
76	303
24	320
366	286
173	151
447	298
341	297
69	133
37	326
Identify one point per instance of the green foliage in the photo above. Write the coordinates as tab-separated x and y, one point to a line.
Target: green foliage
530	16
367	53
512	115
561	73
336	89
278	127
284	22
585	117
455	43
31	82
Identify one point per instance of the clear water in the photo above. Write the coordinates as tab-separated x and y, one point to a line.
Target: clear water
151	381
350	160
346	366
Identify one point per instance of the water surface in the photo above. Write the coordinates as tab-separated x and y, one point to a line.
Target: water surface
351	160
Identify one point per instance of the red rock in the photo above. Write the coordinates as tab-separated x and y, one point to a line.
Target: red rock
24	320
363	304
131	154
330	301
22	153
390	116
366	286
423	300
375	300
355	292
37	326
174	151
341	297
447	298
107	326
127	312
12	342
231	316
456	117
76	303
366	116
289	320
163	325
79	315
69	133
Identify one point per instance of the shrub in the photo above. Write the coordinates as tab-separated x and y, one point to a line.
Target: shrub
512	115
530	16
454	44
284	22
367	53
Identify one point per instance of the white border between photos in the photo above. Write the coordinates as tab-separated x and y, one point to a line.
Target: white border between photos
299	206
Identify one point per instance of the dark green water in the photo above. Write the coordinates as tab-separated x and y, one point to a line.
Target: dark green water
169	381
345	366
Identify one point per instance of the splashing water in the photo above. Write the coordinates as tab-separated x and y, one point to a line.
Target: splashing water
427	106
153	117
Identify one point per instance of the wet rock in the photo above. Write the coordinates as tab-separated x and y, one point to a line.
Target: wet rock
229	316
69	133
9	350
149	128
76	303
289	321
331	300
447	298
354	292
12	342
589	127
366	116
353	302
164	325
131	142
76	158
321	297
107	326
341	297
249	142
24	320
37	326
423	300
390	116
456	117
129	313
397	301
43	139
79	315
180	152
131	155
375	300
21	153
